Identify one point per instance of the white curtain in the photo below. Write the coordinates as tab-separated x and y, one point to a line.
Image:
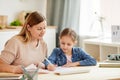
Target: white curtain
63	13
71	14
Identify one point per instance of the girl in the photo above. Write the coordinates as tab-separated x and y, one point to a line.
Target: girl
68	55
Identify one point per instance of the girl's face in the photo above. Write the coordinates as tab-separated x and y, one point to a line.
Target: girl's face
66	44
38	31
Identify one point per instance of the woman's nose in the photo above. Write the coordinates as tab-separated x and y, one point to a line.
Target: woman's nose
43	30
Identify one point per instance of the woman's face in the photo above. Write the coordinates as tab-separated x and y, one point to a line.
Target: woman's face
66	44
38	31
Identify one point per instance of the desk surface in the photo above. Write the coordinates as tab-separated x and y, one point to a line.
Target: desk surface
95	73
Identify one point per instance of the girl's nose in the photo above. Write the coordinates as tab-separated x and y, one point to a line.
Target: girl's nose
65	46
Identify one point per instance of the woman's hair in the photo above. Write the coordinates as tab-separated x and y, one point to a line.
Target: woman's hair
32	19
69	32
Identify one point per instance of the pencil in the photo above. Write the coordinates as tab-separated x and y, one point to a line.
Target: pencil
48	61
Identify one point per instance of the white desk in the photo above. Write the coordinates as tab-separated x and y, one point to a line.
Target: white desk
96	73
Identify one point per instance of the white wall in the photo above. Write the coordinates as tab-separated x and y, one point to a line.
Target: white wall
110	9
12	8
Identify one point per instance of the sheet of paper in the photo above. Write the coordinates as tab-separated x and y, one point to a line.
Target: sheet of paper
70	70
62	70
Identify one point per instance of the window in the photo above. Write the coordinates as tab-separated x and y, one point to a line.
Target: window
90	18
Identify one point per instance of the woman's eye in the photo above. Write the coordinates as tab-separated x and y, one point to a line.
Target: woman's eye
39	29
44	28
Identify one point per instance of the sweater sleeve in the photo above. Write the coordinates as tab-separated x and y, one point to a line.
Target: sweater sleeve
10	51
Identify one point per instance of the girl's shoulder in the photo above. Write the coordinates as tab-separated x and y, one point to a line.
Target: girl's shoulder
57	49
77	48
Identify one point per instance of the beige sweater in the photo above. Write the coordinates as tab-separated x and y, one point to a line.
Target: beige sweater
18	53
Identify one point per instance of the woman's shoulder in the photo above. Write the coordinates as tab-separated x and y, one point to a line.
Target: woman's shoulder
13	40
42	42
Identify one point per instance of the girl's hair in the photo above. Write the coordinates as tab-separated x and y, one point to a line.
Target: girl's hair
32	19
69	32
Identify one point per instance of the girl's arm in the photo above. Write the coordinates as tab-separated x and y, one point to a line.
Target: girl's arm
87	60
72	64
52	60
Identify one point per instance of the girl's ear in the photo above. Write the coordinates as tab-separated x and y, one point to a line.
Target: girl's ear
75	42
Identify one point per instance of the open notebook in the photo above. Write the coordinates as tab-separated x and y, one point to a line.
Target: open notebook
64	70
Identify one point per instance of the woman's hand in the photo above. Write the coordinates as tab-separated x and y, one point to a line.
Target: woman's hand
41	65
51	67
71	64
4	67
16	69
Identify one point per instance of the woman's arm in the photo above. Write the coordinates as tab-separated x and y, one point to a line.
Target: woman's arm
4	67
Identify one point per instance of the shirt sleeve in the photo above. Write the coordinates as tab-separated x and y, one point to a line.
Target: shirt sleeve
9	53
51	58
87	60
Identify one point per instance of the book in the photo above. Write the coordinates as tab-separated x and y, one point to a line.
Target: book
110	63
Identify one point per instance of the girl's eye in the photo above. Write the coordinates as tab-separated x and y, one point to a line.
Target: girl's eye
63	43
68	44
39	29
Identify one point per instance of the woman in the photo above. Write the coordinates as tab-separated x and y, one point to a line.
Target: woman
28	47
68	55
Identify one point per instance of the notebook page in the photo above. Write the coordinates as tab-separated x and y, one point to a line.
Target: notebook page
70	70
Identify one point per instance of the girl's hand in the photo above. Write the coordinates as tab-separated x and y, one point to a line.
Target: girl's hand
51	67
16	69
71	64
